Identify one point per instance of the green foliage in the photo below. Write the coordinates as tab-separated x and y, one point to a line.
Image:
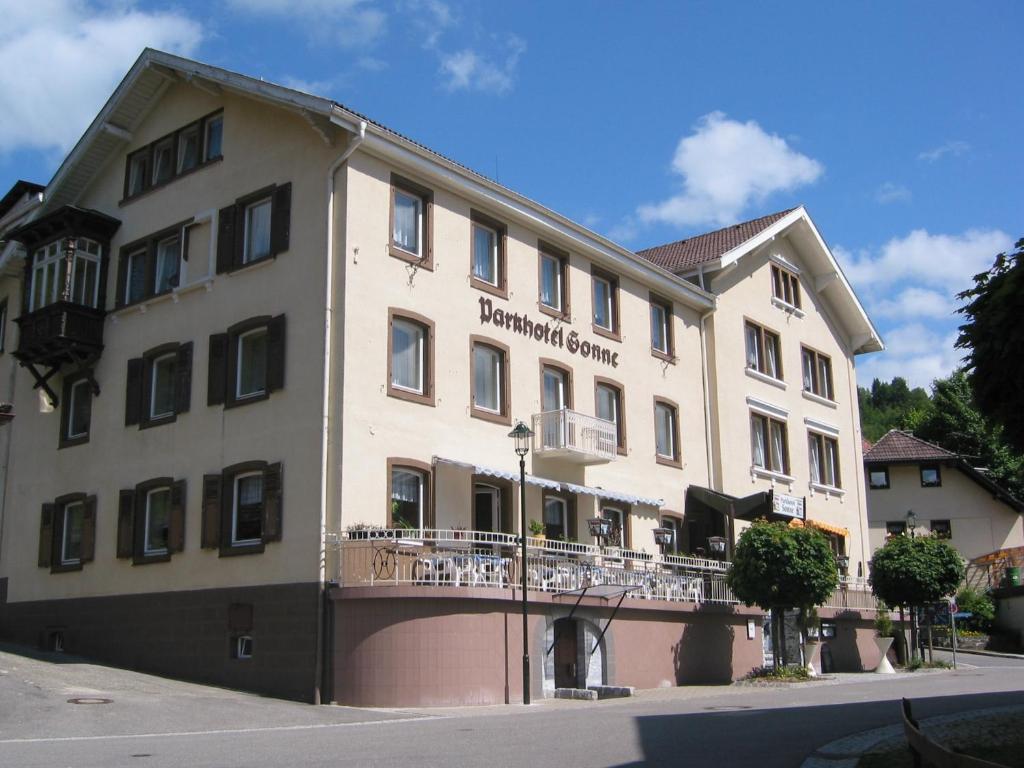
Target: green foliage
883	623
888	406
915	571
776	566
979	604
994	339
536	527
791	673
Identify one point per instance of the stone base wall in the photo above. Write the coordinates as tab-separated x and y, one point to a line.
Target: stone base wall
190	635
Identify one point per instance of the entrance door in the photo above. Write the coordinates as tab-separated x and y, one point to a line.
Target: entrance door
486	508
565	653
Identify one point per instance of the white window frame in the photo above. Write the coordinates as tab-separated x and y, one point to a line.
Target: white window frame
239	395
45	257
563	387
421	351
133	256
496	365
154	364
564	512
421	482
243	647
769	419
247	256
87	252
662	311
495	493
68	508
613	515
137	173
211	124
163	253
192	130
557	287
169	142
673	454
609	302
237	481
146	549
494	247
72	399
829	474
418	252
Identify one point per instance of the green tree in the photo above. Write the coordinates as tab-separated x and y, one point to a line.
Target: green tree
776	567
913	572
994	339
980	605
953	421
888	405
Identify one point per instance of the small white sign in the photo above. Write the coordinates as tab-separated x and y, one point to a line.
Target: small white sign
788	506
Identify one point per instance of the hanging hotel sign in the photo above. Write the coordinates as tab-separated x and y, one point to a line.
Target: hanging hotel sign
788	506
544	333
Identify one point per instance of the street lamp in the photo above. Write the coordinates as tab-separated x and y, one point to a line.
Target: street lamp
600	528
844	563
522	434
911	522
716	544
663	537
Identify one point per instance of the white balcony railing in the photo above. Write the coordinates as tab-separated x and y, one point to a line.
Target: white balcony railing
574	436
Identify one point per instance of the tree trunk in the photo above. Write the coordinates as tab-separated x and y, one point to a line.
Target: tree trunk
773	621
901	651
915	645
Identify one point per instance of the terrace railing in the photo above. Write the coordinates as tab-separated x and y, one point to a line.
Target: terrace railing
575	436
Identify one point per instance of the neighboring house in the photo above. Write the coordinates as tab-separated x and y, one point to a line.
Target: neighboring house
248	316
947	495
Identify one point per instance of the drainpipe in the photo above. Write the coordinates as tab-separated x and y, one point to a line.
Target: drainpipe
704	382
321	624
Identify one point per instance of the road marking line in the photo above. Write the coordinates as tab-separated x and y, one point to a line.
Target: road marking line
224	731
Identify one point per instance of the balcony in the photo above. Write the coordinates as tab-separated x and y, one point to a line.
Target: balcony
574	437
58	334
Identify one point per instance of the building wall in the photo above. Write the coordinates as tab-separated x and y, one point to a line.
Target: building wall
745	293
261	146
979	523
377	426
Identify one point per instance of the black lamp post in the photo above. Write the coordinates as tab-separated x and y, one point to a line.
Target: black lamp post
911	522
522	434
716	544
663	537
600	529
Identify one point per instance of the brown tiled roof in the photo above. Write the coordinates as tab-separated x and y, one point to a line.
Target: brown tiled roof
682	255
897	445
865	446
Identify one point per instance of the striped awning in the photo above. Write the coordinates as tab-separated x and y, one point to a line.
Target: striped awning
821	525
554	485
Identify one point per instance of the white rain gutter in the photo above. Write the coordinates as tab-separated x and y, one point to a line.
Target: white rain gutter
353	145
705	384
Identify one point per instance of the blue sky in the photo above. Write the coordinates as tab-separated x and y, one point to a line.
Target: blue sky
897	125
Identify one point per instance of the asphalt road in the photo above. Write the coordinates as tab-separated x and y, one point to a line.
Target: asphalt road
153	722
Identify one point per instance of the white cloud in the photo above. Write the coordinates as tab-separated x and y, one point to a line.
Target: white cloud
915	302
349	23
954	148
727	166
471	71
892	193
60	60
917	353
940	261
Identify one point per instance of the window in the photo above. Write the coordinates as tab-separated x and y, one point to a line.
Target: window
608	406
941	529
489	374
45	275
254	228
151	520
488	243
619	518
559	517
824	458
817	373
666	432
85	273
930	476
553	281
410	357
662	342
555	386
769	446
763	354
785	286
242	508
409	494
674	524
247	363
173	155
151	266
67	533
76	413
895	528
411	213
606	304
878	477
243	647
3	325
48	278
159	385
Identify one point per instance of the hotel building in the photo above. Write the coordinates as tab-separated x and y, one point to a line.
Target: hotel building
263	357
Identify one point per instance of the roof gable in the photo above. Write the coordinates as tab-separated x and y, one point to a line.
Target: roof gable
898	445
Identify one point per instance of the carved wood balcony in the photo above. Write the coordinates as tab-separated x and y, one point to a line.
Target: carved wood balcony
62	333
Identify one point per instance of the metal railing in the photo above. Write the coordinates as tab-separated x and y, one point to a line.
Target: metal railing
451	557
570	432
852	593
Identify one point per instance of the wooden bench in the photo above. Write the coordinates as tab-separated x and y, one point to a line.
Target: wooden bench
929	754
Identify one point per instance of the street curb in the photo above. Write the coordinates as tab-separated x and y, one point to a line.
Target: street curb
997	654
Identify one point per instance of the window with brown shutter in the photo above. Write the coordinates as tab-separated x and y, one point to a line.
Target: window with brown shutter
247	363
151	521
151	266
76	410
242	508
67	533
256	227
159	385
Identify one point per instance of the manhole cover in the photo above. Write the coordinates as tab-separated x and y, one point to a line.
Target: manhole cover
726	709
90	700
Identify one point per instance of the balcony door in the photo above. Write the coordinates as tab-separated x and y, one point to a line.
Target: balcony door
554	399
554	394
486	508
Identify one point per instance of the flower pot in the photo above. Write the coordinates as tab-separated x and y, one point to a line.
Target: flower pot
884	667
812	655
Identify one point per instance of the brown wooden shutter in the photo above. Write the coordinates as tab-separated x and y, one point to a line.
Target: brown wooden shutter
627	535
210	538
226	234
217	378
133	391
101	295
126	523
272	487
122	278
88	530
571	532
275	353
280	219
507	509
150	285
183	379
176	524
46	536
26	287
